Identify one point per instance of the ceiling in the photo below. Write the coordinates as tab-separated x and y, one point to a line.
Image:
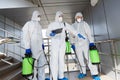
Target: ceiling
47	8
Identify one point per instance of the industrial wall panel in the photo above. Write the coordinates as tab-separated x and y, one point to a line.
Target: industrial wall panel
99	22
88	19
105	21
9	47
108	72
2	27
17	49
117	47
12	29
2	35
112	8
1	18
105	59
9	22
118	63
106	48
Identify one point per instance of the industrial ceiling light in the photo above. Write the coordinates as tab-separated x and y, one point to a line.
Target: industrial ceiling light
93	2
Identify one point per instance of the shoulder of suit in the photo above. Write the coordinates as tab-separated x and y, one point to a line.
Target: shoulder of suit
29	21
74	24
84	22
26	24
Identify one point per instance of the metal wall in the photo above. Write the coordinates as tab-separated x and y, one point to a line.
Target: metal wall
104	20
12	29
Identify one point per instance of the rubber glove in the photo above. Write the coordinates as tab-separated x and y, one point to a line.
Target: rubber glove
91	44
80	36
73	47
28	52
52	34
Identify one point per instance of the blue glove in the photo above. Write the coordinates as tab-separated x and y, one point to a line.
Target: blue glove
81	75
52	34
73	47
96	77
91	44
28	52
43	47
80	36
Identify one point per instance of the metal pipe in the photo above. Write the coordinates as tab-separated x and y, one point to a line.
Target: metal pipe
67	2
10	33
103	41
7	62
114	57
40	4
105	54
56	5
14	53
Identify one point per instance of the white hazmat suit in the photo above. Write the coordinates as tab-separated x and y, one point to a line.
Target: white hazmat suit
32	37
82	46
58	46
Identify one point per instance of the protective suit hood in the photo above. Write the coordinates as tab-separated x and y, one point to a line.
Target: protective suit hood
78	14
58	13
35	15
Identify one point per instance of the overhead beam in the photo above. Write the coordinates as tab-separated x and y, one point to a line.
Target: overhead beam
5	4
40	4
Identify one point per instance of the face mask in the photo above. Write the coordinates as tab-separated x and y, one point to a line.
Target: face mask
79	20
38	19
60	19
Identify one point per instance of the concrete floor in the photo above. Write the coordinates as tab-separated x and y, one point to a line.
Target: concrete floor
73	76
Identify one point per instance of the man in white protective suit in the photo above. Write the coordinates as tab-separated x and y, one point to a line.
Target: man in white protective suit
81	47
56	31
32	38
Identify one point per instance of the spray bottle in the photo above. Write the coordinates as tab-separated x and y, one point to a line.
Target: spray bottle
94	55
27	65
68	47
